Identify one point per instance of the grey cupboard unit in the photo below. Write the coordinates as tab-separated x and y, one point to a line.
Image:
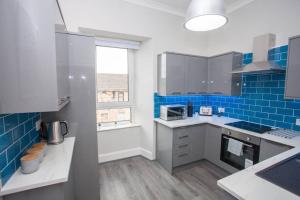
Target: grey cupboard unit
180	74
269	149
179	146
33	57
220	79
292	89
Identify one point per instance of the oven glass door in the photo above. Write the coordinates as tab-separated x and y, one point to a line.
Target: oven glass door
248	156
175	112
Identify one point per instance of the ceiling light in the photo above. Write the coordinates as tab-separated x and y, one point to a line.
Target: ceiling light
205	15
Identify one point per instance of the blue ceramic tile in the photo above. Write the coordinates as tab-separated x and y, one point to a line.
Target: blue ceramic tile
3	161
13	151
283	111
276	117
8	171
25	141
33	134
284	125
5	140
22	117
284	48
18	132
10	121
268	122
290	119
1	126
28	126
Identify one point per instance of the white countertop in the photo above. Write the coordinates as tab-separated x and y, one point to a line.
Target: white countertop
245	185
53	170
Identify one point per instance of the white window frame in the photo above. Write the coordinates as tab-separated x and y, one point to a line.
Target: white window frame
131	101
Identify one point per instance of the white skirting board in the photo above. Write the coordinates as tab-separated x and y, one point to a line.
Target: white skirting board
117	155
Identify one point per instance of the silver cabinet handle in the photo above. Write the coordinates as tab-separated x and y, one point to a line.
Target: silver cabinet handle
182	155
183	146
176	93
182	137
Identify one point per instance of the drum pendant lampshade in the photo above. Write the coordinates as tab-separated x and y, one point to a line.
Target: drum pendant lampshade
205	15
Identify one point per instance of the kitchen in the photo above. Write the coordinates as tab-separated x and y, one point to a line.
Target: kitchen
235	88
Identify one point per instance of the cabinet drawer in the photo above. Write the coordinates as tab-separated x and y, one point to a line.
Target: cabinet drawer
182	148
181	136
181	159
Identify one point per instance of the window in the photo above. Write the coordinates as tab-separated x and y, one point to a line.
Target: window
114	85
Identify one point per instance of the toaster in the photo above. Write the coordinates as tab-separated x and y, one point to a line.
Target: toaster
206	110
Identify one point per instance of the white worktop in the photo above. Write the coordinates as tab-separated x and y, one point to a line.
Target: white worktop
245	185
53	170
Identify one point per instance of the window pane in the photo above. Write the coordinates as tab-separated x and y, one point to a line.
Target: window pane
107	116
112	75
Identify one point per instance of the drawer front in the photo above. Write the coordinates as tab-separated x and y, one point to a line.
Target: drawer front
181	158
182	148
181	136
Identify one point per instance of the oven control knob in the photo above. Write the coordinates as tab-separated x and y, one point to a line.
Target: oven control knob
248	139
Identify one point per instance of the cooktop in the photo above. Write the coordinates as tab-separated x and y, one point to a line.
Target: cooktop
257	128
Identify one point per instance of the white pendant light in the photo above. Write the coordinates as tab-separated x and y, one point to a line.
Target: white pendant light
205	15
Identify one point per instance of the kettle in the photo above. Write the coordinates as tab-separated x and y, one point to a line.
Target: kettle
53	131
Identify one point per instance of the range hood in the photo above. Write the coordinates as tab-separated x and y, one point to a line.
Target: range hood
260	64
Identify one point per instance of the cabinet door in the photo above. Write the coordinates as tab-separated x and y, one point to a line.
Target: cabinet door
219	74
196	75
213	144
175	70
62	65
269	149
27	56
197	136
292	89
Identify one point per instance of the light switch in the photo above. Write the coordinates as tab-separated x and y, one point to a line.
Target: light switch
298	122
221	110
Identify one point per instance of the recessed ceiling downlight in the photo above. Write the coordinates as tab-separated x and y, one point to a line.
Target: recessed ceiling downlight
205	15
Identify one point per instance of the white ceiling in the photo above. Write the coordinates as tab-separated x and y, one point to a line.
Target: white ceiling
178	7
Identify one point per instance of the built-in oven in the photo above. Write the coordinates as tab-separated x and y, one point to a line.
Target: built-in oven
239	149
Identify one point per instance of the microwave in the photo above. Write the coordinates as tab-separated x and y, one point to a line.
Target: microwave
172	112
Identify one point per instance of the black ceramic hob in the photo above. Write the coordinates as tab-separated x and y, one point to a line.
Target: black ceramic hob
257	128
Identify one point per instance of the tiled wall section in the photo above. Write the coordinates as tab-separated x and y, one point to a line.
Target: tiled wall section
166	100
262	99
17	134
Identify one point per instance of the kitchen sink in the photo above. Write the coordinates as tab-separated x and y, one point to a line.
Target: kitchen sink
285	174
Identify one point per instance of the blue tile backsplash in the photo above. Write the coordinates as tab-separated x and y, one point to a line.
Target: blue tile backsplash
17	134
262	100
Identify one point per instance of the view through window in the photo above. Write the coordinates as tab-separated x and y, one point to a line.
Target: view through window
112	86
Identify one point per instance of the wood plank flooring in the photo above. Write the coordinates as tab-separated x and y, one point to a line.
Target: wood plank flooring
140	179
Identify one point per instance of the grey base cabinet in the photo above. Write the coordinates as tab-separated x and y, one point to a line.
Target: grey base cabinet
179	146
269	149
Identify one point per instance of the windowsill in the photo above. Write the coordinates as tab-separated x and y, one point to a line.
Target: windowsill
116	127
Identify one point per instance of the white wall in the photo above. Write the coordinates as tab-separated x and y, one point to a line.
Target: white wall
119	143
166	32
259	17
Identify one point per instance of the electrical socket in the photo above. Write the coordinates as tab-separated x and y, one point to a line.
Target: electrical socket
298	122
38	125
221	110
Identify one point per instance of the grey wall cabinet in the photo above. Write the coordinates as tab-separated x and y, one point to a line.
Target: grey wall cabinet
179	146
33	73
194	75
171	74
220	79
292	89
269	149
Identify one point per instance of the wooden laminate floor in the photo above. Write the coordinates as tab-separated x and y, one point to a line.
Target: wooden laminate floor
140	179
